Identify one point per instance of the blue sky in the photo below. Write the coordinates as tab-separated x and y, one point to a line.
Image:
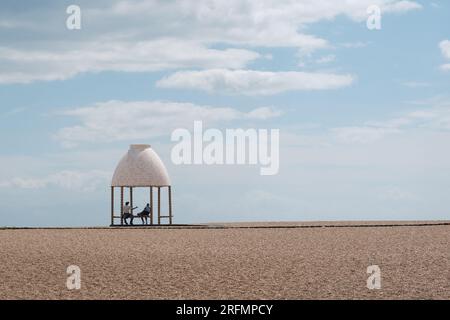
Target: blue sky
370	141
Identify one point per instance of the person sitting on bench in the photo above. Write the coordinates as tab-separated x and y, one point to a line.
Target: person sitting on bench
127	213
145	214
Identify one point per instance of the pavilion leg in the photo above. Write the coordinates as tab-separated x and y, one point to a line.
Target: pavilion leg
159	205
121	205
131	204
131	199
151	205
170	204
112	205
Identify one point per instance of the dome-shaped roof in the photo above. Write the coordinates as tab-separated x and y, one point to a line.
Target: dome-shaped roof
140	167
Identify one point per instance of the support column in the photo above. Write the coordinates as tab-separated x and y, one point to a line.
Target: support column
159	205
151	205
112	205
131	199
170	205
121	205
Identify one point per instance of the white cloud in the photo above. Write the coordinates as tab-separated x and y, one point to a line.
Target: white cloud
445	48
252	82
436	118
352	45
264	113
326	59
13	111
27	66
415	84
135	36
119	121
364	134
396	194
84	181
401	6
445	67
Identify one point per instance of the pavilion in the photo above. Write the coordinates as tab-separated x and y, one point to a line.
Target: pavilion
140	167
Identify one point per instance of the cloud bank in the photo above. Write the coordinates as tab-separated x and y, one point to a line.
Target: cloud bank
445	50
119	121
250	82
147	35
84	181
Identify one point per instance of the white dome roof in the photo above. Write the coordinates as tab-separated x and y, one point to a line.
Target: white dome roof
140	167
